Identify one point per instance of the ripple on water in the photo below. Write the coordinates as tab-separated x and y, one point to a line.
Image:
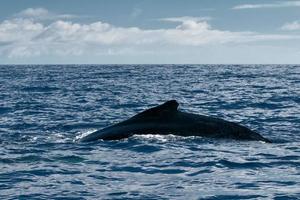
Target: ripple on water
45	110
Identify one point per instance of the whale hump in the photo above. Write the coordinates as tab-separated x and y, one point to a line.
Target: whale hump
165	108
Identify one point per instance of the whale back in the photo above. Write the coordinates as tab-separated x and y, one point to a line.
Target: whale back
166	119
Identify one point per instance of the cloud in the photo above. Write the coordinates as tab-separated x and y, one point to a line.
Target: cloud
185	18
292	26
42	14
34	12
284	4
26	37
19	30
136	12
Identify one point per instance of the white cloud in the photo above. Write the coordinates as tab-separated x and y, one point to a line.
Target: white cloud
26	37
19	30
136	12
283	4
292	26
42	14
189	32
185	18
34	12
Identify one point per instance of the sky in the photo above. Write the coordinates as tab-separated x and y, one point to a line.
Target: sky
150	32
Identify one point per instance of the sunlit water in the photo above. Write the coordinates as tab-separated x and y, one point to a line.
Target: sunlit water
43	109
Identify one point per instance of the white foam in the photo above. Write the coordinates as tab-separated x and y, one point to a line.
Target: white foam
83	134
58	138
162	138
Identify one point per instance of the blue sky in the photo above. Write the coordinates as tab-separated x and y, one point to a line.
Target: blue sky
149	31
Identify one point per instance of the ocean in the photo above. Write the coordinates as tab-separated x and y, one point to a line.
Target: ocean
44	109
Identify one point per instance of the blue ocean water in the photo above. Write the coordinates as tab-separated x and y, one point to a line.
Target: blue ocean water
43	109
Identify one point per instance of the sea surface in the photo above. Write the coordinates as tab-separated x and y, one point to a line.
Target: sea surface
45	109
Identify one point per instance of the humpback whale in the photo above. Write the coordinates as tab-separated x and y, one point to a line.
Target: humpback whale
167	119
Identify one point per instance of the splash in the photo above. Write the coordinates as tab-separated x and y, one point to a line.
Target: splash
83	134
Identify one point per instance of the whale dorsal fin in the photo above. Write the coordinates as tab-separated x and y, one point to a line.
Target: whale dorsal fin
165	108
171	105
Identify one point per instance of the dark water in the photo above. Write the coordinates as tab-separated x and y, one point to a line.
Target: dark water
43	109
